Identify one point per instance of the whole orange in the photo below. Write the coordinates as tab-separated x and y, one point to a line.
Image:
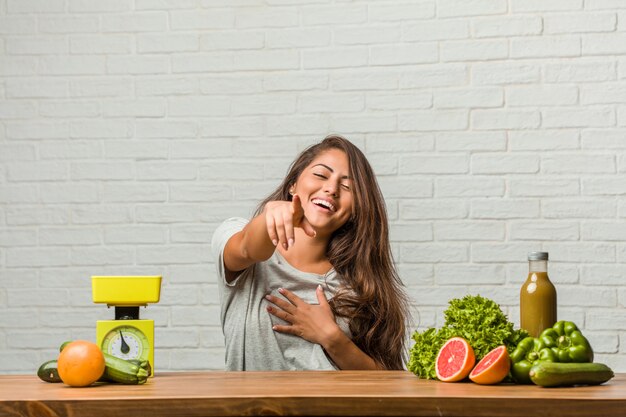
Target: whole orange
80	363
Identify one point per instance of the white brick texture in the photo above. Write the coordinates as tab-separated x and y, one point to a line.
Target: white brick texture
129	129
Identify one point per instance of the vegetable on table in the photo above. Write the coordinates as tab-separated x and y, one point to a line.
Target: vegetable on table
567	342
529	352
477	319
561	343
49	372
556	374
122	371
125	371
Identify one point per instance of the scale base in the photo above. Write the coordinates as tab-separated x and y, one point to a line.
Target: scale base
139	335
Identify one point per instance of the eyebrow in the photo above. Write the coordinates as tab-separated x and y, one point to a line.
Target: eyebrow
332	170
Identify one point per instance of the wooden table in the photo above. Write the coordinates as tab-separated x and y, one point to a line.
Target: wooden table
346	393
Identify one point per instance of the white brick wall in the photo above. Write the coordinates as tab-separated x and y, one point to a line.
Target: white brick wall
130	129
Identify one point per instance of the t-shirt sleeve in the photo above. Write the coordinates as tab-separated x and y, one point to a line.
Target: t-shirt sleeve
220	237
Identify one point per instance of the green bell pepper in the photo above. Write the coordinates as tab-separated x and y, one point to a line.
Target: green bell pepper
528	352
567	342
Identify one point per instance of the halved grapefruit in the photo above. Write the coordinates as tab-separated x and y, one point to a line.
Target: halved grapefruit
455	360
493	368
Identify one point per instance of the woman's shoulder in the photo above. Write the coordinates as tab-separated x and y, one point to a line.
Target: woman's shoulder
232	223
235	220
226	229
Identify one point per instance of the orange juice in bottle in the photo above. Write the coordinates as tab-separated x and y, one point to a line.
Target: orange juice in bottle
537	296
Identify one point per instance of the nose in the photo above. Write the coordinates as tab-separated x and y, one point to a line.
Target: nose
331	188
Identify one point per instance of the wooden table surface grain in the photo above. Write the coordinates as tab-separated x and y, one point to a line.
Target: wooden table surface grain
312	393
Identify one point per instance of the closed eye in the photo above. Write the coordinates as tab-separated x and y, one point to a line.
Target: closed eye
345	187
319	175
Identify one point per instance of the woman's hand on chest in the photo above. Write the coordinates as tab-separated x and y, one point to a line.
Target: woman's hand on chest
312	322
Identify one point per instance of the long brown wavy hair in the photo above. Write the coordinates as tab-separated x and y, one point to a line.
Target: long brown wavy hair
372	295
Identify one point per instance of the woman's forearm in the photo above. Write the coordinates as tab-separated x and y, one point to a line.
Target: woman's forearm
250	245
347	355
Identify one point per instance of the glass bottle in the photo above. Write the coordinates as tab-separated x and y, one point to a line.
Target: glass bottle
537	296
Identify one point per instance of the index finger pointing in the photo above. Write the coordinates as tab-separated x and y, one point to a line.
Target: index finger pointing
296	204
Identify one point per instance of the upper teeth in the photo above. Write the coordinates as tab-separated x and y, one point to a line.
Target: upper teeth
324	203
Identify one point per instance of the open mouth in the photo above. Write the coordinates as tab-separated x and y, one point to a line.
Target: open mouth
327	205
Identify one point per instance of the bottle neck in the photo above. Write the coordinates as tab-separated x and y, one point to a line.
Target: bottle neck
538	266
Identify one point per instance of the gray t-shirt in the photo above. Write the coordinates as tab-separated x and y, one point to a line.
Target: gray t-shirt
251	343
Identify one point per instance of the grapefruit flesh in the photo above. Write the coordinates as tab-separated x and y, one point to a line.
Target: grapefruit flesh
455	360
493	368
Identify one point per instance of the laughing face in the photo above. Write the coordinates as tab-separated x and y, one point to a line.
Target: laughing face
325	189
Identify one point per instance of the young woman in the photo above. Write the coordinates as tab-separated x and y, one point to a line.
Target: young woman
322	233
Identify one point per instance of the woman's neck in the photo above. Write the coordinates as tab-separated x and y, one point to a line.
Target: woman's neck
308	254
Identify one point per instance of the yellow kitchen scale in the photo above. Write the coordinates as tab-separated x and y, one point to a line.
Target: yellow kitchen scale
127	336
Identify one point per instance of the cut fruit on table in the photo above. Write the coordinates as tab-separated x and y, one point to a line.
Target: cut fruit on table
455	360
493	368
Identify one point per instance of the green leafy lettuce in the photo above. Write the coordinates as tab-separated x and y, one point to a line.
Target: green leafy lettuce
477	319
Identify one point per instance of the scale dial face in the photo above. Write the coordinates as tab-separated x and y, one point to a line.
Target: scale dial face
126	342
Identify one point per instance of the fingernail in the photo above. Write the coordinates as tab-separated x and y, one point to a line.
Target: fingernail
290	242
274	327
314	233
269	308
281	290
319	287
275	242
268	297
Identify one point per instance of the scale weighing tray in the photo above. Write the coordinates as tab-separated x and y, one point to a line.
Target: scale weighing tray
126	290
